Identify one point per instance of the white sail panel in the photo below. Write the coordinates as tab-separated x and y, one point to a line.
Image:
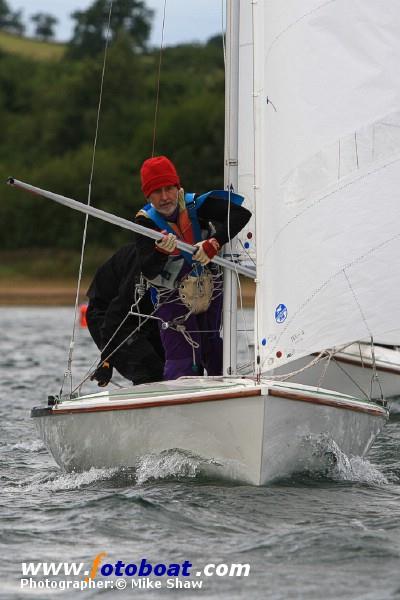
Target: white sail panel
327	174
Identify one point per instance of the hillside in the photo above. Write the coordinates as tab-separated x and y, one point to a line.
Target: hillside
32	48
48	119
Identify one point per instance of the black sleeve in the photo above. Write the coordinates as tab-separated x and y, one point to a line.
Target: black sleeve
125	268
115	314
118	312
217	210
109	275
151	261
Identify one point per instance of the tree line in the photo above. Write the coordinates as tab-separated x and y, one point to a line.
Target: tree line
89	25
48	114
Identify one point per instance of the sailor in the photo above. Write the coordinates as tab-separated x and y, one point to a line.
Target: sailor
186	289
111	295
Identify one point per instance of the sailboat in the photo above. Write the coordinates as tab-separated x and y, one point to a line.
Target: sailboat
358	368
369	369
317	84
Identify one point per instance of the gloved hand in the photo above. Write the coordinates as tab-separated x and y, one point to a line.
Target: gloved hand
103	373
206	250
167	244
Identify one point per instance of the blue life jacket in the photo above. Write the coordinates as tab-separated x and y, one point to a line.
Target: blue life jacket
192	205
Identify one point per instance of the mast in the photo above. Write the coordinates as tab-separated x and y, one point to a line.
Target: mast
229	312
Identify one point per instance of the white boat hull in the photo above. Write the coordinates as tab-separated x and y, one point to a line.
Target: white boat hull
351	372
245	432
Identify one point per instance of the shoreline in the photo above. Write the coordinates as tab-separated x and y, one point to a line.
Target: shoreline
63	293
44	293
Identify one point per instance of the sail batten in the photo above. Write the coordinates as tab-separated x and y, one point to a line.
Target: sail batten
325	123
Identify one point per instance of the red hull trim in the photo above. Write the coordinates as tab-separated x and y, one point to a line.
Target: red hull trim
327	402
157	403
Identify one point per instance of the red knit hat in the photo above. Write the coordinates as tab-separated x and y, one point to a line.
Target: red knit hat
156	173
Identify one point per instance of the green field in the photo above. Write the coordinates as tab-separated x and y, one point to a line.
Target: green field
15	44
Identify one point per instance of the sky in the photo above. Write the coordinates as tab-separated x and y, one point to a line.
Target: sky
186	20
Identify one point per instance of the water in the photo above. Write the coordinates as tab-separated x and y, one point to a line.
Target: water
336	536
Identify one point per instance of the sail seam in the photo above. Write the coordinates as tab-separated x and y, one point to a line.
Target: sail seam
325	284
325	197
284	31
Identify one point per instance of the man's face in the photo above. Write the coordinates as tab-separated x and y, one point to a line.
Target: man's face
165	200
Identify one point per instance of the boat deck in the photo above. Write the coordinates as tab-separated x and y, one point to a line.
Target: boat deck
190	390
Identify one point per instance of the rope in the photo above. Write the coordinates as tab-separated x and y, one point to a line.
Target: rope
158	81
91	370
314	361
68	372
323	374
176	326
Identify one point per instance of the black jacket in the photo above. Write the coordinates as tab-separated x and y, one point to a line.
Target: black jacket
111	294
213	210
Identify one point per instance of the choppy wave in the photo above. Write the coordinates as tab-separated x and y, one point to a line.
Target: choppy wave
167	465
71	481
31	446
314	536
394	407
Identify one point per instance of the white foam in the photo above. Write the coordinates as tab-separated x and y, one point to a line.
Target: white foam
394	406
359	470
173	463
31	446
340	467
72	481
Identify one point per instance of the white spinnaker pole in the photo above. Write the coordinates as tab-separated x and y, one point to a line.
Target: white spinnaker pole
120	222
229	312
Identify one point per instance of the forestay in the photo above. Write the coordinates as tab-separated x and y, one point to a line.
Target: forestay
327	172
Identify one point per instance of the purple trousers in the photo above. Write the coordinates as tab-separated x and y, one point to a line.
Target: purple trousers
180	358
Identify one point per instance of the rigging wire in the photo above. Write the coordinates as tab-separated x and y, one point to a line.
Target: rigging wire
353	381
375	376
329	357
68	372
131	334
177	325
158	81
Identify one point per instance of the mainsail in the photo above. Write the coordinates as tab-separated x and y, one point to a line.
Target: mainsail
246	170
326	178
